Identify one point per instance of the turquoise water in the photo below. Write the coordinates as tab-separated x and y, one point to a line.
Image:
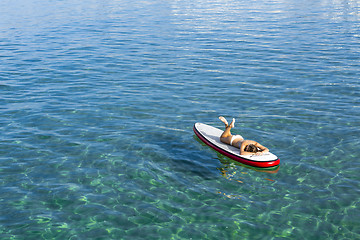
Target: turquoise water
98	100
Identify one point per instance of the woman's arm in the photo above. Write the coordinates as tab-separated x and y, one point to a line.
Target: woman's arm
262	148
246	153
258	145
244	144
242	149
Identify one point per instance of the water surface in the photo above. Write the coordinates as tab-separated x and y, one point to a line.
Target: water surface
98	100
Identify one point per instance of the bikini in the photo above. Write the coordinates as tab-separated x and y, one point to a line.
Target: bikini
236	137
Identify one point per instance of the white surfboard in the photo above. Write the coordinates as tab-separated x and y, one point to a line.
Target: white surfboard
211	137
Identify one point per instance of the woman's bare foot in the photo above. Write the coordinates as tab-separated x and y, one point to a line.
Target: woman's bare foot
232	124
224	121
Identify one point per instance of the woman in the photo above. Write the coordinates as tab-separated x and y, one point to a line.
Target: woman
247	147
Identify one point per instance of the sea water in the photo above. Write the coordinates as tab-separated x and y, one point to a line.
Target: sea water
98	100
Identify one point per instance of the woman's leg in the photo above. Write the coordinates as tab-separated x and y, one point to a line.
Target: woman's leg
224	121
226	135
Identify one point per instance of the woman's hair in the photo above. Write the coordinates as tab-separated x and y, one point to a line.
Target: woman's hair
251	148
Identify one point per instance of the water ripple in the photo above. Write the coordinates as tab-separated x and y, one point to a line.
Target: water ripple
98	101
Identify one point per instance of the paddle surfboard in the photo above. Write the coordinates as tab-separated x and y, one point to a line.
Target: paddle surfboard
211	137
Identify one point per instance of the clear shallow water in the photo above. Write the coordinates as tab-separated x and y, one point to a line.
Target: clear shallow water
98	101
